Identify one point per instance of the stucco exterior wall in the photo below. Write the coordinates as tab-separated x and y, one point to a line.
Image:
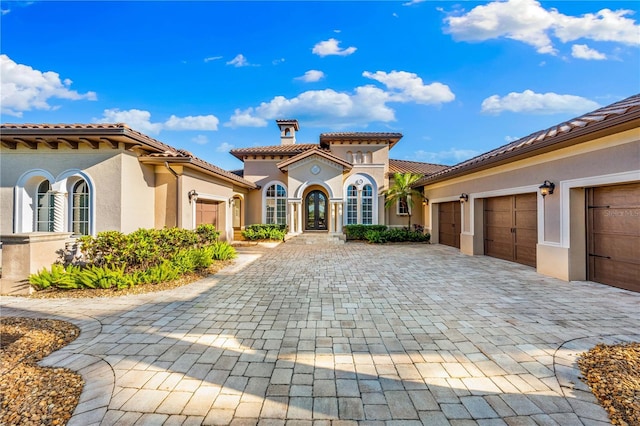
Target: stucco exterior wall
561	216
137	194
103	166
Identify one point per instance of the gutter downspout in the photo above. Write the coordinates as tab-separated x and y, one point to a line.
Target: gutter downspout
178	192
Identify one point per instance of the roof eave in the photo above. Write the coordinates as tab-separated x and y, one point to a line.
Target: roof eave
573	137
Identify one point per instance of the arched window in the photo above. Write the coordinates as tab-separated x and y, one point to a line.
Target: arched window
80	208
44	209
358	159
350	156
276	204
367	205
352	205
368	157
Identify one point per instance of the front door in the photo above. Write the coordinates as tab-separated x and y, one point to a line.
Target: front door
316	211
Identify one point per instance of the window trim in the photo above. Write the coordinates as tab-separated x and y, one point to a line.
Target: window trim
264	201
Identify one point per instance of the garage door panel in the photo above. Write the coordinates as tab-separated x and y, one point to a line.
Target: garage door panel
511	228
614	273
449	224
614	235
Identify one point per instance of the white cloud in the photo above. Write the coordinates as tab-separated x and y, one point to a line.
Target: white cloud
278	61
330	47
200	122
450	156
141	120
239	61
360	107
4	11
537	103
412	2
582	51
136	119
224	147
245	119
527	21
311	76
408	87
212	58
24	88
200	140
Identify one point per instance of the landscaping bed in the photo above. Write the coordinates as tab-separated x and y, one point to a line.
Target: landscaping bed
613	374
30	394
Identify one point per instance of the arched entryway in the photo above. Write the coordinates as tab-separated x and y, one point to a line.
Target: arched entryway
316	207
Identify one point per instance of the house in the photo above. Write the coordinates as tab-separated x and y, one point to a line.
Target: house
81	179
565	200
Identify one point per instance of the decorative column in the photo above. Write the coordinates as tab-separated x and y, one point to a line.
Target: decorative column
339	221
59	199
299	230
332	217
292	212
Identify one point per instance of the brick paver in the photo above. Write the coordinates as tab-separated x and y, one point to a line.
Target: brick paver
344	334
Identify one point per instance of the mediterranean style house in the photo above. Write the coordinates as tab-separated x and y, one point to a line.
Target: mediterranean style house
565	200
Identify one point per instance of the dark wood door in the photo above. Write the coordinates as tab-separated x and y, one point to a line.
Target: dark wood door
449	220
207	212
511	228
316	211
614	235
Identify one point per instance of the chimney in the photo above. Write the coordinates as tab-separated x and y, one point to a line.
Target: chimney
288	129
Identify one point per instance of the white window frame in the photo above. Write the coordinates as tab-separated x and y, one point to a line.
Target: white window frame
264	202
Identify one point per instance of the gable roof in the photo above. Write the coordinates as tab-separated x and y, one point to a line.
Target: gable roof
623	114
405	166
73	135
292	149
311	152
386	137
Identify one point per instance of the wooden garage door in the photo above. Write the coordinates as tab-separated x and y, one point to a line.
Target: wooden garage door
207	212
614	235
511	228
449	224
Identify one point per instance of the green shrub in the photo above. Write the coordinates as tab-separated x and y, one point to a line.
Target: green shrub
207	234
104	277
265	232
358	232
191	260
375	236
221	250
57	277
160	273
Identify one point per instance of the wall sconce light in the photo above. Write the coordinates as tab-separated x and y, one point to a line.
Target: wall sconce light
425	201
547	188
193	195
464	197
231	201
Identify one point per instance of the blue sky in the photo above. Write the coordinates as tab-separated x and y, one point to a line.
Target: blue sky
455	78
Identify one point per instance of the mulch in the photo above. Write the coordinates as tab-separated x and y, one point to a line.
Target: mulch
613	374
30	394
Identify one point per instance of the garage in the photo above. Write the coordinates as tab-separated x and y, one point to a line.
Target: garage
511	228
449	224
207	212
614	235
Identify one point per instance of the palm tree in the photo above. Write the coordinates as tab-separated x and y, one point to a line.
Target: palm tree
402	192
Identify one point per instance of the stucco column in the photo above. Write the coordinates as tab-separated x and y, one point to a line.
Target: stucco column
59	199
292	212
299	230
332	217
339	221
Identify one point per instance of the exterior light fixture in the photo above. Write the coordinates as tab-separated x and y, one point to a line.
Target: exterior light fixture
425	201
193	195
547	188
464	197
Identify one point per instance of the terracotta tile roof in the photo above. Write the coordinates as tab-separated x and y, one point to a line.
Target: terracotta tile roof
293	149
158	150
316	151
390	137
404	166
560	135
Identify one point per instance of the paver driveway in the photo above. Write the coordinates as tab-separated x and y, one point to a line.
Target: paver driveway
302	334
